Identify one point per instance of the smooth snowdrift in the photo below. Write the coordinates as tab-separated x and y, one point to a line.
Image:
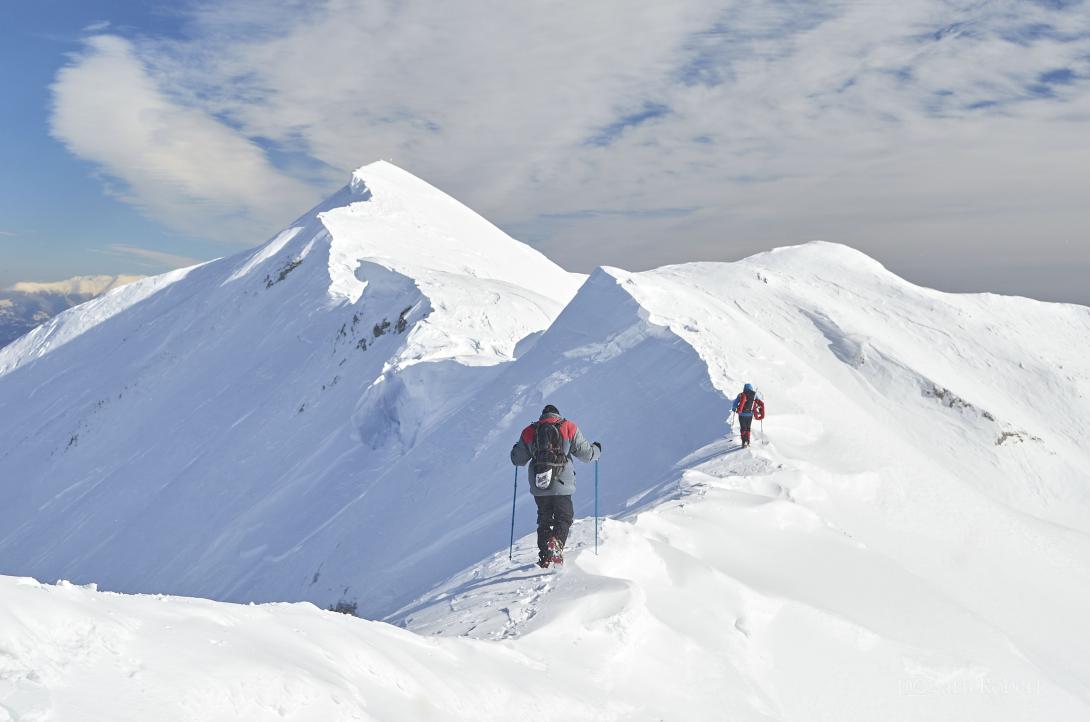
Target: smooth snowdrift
732	601
328	419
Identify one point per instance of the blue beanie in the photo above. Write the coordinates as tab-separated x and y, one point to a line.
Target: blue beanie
748	388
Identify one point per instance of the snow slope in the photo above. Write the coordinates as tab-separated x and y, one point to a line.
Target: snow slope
908	539
731	601
228	430
27	304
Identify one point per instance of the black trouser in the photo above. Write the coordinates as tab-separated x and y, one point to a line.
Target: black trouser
745	422
554	517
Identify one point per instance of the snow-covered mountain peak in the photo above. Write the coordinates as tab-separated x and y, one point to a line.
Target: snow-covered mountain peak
401	222
830	265
390	238
820	251
335	348
473	291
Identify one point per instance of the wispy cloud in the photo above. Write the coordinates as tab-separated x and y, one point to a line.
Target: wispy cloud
97	27
916	130
8	233
641	213
147	257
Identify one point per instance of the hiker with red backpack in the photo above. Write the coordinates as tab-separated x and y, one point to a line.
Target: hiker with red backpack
748	407
550	443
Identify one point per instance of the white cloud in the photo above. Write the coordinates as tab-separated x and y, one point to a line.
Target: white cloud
631	134
149	258
171	159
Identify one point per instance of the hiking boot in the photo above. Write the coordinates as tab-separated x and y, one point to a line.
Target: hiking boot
556	551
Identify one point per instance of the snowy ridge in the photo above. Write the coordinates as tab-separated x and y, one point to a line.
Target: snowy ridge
73	322
236	414
787	618
879	505
490	291
27	305
908	538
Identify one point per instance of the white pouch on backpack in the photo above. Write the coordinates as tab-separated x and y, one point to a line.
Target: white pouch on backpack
544	479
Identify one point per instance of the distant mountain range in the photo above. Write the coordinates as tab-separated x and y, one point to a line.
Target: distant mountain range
28	304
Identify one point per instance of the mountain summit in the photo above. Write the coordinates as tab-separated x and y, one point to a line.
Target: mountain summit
222	429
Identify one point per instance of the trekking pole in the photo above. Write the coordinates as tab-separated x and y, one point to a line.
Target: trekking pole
514	495
595	507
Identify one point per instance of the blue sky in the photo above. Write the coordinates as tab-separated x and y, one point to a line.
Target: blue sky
944	138
56	221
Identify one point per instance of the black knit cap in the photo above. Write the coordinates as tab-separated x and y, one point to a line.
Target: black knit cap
550	409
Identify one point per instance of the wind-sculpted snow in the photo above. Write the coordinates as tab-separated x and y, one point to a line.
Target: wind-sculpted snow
732	600
223	430
915	431
328	419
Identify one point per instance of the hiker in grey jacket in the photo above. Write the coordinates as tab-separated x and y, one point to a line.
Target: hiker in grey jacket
550	443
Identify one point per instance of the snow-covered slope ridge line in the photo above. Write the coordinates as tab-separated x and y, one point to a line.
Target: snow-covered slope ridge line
27	305
736	599
242	416
328	419
389	218
485	291
732	601
266	438
75	321
901	524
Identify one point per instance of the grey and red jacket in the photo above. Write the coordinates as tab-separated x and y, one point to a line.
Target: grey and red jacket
575	445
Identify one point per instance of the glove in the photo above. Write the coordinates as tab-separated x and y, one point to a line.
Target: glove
599	445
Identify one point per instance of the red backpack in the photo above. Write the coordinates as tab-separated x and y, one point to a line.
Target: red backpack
756	407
